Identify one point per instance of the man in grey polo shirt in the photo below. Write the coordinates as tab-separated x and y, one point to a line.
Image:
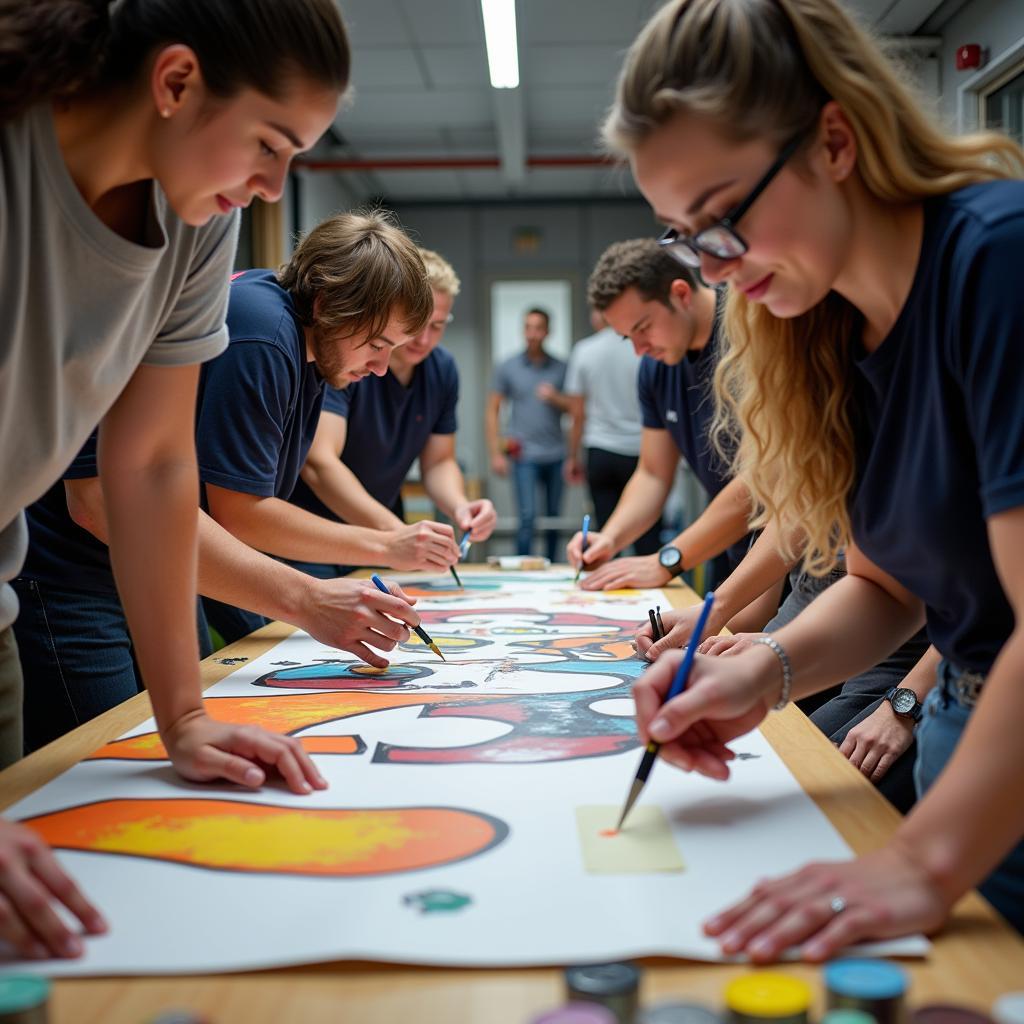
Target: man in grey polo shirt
532	383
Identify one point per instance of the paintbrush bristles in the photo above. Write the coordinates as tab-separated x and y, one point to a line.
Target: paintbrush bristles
634	793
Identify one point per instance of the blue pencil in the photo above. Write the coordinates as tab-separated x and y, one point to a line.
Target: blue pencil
677	687
583	547
418	630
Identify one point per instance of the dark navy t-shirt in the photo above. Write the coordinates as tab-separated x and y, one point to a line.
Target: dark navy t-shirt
388	425
259	402
939	420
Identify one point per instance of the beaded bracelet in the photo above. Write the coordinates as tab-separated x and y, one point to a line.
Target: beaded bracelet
787	669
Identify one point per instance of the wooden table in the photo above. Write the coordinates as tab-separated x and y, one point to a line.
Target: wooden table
974	960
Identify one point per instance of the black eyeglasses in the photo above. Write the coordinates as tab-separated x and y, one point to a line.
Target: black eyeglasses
721	239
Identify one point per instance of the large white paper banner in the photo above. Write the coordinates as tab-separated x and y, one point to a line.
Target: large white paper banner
448	834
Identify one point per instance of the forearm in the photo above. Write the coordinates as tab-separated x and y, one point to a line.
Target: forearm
823	650
151	513
491	428
280	528
236	574
444	484
340	490
638	509
576	432
922	677
974	813
721	524
761	568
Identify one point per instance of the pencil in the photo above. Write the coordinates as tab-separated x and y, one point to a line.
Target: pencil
677	687
418	630
586	527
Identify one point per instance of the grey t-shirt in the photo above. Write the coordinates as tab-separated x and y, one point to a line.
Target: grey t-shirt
535	423
82	308
603	368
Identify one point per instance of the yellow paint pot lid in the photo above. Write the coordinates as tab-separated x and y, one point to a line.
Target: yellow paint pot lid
767	994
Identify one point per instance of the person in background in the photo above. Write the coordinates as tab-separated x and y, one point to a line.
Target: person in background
600	384
531	383
371	432
129	135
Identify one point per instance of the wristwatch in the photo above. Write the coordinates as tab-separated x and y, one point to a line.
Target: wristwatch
671	558
904	702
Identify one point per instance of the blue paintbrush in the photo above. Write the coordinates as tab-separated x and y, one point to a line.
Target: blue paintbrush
583	547
677	687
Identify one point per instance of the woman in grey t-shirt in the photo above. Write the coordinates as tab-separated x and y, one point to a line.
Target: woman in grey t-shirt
129	135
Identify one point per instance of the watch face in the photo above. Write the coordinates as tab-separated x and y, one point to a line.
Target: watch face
903	701
670	557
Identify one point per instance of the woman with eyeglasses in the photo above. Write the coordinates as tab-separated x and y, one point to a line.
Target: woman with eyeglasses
871	377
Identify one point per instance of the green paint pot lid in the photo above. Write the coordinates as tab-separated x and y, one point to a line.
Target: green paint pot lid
22	992
600	980
847	1017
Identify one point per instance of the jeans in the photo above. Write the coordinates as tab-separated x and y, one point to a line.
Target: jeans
607	475
321	570
77	657
11	689
939	732
232	623
527	476
838	709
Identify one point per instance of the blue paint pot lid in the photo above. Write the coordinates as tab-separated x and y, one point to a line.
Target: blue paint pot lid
577	1013
23	992
600	980
1009	1008
865	979
847	1017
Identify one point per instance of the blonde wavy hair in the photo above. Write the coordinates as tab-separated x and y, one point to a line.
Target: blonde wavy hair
765	69
440	273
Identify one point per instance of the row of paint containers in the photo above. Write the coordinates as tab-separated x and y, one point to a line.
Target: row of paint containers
858	991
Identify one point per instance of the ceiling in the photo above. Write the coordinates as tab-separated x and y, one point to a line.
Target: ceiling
424	123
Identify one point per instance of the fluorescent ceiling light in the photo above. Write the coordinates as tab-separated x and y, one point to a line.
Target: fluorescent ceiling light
502	46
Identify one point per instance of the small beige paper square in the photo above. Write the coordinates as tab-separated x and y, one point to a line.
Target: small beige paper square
644	846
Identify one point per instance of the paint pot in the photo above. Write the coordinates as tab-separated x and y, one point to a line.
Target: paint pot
946	1013
1009	1009
576	1013
847	1017
875	986
615	986
767	996
675	1012
24	999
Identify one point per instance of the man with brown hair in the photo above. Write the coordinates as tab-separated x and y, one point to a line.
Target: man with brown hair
354	290
371	432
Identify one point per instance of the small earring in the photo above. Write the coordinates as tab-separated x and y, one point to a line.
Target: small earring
166	112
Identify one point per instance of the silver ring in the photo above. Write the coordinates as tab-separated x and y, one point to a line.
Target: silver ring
837	904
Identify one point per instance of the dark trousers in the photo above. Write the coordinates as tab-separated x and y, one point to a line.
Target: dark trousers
527	477
76	655
837	710
607	475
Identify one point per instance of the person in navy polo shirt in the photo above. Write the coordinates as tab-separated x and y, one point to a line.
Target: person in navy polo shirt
873	369
670	318
354	290
371	432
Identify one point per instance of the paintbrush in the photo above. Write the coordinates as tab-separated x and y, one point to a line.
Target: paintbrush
677	687
583	547
456	575
418	630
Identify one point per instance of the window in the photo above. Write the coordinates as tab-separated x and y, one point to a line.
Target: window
1002	108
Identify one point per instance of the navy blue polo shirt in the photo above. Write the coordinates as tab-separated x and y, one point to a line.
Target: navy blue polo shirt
259	402
388	426
940	421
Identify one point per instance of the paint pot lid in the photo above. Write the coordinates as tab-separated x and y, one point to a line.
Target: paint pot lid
865	979
577	1013
1009	1009
675	1012
598	980
946	1013
178	1017
23	992
767	994
847	1016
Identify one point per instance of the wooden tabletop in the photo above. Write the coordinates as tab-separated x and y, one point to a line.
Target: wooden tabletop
975	959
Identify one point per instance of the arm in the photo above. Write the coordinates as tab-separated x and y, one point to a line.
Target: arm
280	528
148	474
443	480
336	485
347	614
761	569
492	418
638	508
574	465
550	394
